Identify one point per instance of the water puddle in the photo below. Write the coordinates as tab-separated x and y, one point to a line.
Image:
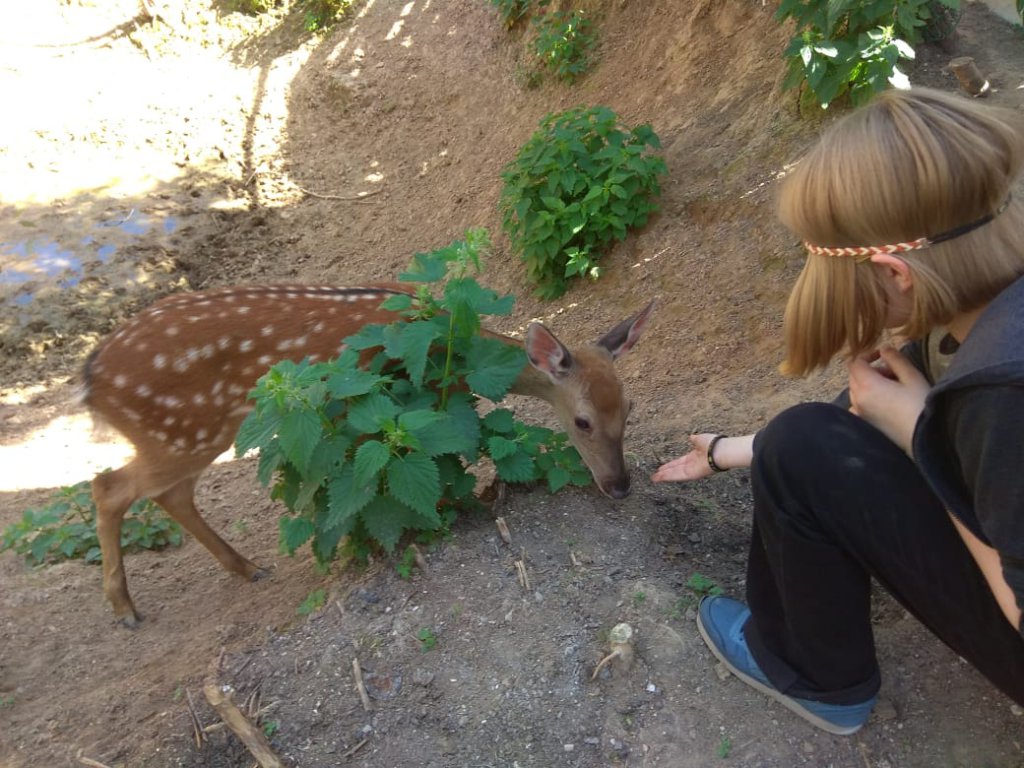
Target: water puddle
40	263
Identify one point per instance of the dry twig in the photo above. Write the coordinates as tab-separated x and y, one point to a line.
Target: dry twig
349	199
524	579
503	530
357	671
90	762
252	737
197	726
356	748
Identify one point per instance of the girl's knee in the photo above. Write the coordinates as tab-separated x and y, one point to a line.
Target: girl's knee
802	431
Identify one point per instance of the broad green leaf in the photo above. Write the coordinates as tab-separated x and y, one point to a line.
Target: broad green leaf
413	346
425	268
449	434
517	468
300	430
369	413
386	518
350	381
414	480
558	478
256	431
497	366
501	447
502	419
271	458
294	532
371	457
345	497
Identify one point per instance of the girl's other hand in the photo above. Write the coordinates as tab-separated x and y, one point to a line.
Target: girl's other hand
887	391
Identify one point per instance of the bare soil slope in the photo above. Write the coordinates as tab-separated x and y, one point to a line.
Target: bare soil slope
210	149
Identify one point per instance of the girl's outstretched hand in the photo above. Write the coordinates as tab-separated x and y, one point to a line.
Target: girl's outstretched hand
888	392
691	466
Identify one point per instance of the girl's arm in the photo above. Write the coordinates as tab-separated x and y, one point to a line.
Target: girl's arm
991	567
730	453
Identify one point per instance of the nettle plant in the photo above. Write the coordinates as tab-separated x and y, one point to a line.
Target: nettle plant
852	47
362	454
65	529
581	182
565	43
512	10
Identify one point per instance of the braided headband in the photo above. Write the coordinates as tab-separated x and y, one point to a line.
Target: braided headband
862	252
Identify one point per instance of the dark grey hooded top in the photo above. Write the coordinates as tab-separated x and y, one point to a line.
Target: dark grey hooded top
969	440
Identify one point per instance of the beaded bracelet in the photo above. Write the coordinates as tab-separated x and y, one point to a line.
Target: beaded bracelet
711	454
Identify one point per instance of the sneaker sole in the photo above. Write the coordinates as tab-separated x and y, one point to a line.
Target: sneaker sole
781	698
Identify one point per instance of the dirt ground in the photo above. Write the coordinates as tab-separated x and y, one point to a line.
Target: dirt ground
210	148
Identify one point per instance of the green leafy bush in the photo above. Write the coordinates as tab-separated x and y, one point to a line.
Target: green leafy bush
512	10
852	47
564	43
366	453
579	183
66	529
318	15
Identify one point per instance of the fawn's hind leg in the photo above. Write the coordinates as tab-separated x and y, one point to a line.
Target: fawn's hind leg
179	501
113	493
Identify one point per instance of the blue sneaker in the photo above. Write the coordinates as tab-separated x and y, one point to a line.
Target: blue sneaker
720	621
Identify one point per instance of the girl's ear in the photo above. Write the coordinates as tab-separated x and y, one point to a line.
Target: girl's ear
897	269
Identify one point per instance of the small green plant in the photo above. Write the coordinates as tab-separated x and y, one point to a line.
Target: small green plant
851	47
6	702
639	597
427	638
314	601
270	727
578	184
724	747
65	529
252	7
512	10
701	585
406	563
564	43
366	454
320	15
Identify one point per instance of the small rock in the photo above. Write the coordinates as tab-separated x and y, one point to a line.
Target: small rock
422	677
885	710
722	671
1017	709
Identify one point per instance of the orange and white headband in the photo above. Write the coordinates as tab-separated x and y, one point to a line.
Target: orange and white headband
862	252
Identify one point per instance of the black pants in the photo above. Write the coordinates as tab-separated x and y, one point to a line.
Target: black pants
836	503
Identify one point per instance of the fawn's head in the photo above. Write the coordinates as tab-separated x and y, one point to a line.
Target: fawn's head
587	396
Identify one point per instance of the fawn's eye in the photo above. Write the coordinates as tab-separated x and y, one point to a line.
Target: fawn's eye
582	423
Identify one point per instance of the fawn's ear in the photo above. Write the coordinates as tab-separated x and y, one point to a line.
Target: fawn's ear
620	339
546	353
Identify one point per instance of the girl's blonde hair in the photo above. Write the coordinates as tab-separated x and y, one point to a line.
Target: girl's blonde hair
909	164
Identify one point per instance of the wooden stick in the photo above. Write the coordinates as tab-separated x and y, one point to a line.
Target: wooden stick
421	561
971	79
252	737
343	198
214	727
358	672
356	748
524	579
503	530
197	726
90	762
